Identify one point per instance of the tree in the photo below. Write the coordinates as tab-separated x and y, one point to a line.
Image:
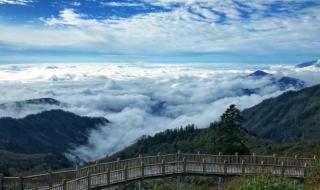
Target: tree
227	133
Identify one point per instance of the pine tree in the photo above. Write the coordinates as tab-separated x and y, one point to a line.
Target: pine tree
227	134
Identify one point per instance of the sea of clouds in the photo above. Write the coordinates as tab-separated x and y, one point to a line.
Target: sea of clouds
139	99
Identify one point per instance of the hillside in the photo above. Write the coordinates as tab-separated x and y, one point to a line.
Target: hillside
17	163
54	131
292	116
286	125
38	142
189	140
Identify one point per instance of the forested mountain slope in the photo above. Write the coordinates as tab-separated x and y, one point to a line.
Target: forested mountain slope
292	116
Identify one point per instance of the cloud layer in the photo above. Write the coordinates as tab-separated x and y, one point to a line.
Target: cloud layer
139	99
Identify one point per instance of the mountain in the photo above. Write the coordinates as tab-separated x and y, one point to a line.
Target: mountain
292	116
39	101
20	109
188	140
259	74
54	131
283	83
38	142
288	82
315	63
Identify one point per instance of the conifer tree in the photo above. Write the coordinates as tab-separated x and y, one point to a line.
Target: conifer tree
227	134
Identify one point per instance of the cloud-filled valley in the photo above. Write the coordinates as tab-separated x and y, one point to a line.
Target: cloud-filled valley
139	99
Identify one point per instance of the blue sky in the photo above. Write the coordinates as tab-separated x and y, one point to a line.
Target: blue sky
256	31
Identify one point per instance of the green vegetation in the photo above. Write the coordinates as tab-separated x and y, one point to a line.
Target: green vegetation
15	163
37	142
313	179
174	183
265	182
227	135
290	117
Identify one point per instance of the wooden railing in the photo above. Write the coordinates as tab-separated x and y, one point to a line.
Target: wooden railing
121	171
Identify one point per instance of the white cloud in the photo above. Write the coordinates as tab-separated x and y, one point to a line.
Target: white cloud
138	98
16	2
193	27
120	4
76	3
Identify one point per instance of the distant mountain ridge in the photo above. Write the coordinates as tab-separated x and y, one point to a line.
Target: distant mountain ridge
283	83
38	101
20	109
315	63
292	116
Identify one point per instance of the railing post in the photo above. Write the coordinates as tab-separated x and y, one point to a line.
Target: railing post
158	157
50	178
108	176
274	159
96	167
296	159
282	169
305	169
184	161
204	167
237	157
315	159
254	158
219	157
220	183
125	172
89	180
243	169
21	183
225	167
77	171
178	155
163	167
140	185
262	167
142	169
64	184
1	182
118	163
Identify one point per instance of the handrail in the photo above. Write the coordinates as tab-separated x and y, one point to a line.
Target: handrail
52	179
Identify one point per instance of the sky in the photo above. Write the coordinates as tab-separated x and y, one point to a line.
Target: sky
211	31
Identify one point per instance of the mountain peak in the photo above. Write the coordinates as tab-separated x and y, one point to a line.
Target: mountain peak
259	73
50	101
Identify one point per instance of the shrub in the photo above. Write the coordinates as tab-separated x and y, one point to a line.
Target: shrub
265	183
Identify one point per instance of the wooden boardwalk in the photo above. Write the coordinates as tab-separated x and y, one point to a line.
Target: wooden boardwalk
106	174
